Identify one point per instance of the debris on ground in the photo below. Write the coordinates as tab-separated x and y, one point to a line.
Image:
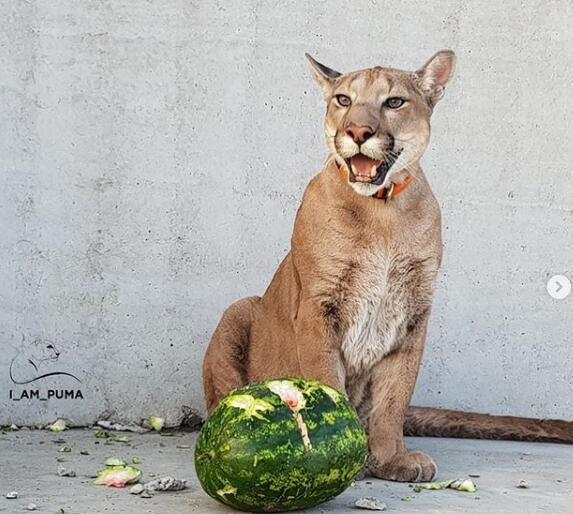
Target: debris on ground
120	427
32	506
84	451
522	484
156	423
165	484
65	449
12	495
66	472
406	498
118	476
184	446
474	475
369	503
57	426
112	461
191	418
466	486
119	439
112	438
136	460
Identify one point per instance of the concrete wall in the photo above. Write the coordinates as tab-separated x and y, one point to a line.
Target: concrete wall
153	155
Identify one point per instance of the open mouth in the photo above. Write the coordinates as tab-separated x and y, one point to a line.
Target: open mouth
370	171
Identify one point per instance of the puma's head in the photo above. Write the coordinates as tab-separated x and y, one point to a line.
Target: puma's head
42	351
378	120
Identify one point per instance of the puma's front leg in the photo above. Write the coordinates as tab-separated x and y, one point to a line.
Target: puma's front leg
393	380
318	354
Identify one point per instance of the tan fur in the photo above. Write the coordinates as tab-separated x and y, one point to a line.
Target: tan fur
349	304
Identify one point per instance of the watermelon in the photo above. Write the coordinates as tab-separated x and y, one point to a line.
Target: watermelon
280	445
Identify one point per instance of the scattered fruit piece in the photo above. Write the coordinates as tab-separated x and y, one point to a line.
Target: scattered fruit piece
84	452
156	423
466	486
120	439
369	503
136	460
65	449
406	498
118	476
12	495
112	461
58	426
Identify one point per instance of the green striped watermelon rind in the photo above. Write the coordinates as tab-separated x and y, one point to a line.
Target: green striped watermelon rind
251	454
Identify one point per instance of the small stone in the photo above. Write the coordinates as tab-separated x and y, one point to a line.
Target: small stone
369	503
522	484
145	494
32	506
12	495
166	484
137	489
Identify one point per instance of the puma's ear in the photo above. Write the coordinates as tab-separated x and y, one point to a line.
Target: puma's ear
435	74
323	74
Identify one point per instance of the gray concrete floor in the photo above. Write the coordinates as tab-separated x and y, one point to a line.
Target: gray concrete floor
29	466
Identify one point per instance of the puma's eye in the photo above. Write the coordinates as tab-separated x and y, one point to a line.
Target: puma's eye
343	100
395	102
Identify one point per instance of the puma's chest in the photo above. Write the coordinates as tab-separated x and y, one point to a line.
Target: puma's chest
385	297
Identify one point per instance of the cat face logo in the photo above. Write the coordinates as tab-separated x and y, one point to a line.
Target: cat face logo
35	361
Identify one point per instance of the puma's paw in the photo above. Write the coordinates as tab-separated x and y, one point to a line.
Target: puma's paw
405	467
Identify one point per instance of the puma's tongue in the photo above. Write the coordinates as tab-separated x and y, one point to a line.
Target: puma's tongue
364	167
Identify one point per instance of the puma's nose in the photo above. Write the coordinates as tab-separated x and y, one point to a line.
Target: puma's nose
359	134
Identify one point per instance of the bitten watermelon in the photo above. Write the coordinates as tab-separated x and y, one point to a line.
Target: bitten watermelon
280	445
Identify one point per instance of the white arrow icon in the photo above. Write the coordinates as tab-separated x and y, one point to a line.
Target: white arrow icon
559	287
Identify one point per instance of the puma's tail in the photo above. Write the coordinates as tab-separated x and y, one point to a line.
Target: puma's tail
428	421
225	364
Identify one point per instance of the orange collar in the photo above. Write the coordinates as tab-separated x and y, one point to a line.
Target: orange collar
386	193
394	189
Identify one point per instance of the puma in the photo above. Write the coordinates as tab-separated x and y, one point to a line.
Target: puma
350	303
